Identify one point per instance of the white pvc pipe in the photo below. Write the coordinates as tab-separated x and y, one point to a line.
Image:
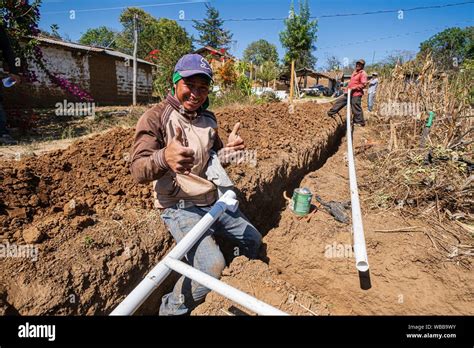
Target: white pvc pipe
156	276
222	288
360	250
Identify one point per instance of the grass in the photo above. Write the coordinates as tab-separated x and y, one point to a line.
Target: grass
88	242
68	133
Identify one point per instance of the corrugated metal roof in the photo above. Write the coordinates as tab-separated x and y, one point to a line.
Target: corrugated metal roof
90	49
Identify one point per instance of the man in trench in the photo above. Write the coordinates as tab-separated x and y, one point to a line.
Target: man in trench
357	84
175	147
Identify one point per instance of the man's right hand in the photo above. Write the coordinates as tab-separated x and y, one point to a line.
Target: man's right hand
179	158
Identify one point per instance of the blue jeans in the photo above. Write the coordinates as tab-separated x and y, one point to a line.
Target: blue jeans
205	255
371	101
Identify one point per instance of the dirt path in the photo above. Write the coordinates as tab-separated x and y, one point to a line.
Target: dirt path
311	270
22	151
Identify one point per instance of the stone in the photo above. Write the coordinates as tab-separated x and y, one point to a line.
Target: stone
19	213
69	208
81	222
32	235
34	201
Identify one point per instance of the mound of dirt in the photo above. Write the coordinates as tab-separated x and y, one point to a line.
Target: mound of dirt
92	176
66	187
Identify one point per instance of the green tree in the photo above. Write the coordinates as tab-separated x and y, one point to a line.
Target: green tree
299	37
260	51
450	47
164	36
144	22
267	72
101	36
211	31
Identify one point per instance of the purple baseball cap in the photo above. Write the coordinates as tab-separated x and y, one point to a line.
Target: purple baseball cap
193	64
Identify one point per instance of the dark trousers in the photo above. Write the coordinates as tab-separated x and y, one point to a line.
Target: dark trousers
356	108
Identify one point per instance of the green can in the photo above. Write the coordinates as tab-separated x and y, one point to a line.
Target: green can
301	201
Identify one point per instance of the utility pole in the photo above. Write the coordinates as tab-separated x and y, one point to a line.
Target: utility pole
292	80
373	58
135	48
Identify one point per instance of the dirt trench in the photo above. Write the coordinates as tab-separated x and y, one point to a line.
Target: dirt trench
96	233
311	268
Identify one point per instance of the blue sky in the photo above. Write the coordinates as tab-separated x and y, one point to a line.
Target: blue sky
369	37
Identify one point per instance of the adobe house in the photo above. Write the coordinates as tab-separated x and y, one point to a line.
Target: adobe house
105	74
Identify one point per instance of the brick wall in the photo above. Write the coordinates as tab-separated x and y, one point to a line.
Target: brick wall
68	63
103	76
125	81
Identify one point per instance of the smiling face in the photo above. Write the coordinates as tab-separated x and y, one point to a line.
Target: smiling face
359	66
192	91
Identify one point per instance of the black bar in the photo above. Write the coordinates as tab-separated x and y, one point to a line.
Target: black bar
292	331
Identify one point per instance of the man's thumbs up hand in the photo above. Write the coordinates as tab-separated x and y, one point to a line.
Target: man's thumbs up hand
179	157
235	142
233	148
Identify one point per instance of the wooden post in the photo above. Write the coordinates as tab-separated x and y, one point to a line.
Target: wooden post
292	80
251	69
255	77
135	48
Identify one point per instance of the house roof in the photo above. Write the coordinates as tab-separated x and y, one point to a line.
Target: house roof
307	72
335	75
81	47
214	51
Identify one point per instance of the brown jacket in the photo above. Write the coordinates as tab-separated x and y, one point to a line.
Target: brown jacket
154	130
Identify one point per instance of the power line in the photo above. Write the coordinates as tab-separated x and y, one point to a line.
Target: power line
396	11
339	14
125	7
394	36
265	19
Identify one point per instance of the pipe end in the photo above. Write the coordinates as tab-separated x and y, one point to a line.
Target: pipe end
362	266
